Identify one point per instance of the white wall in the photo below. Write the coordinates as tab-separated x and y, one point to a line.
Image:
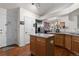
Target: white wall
16	32
74	18
66	20
71	20
70	24
24	12
12	32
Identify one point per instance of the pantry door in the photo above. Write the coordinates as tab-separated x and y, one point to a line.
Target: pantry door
2	30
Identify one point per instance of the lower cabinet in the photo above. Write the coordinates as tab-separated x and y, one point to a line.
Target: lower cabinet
33	46
75	45
66	45
62	45
41	46
68	42
59	40
58	51
41	50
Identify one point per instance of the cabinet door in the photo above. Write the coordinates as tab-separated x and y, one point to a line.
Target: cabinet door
41	47
59	40
50	46
75	45
41	50
58	51
68	42
71	54
28	28
33	45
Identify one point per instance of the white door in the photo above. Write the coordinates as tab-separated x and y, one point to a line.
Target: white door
29	29
2	30
26	30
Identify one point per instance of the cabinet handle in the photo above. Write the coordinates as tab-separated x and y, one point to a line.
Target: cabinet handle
51	42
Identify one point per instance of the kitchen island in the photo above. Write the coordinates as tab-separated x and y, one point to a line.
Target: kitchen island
42	44
55	44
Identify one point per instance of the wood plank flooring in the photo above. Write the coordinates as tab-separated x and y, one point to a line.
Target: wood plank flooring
17	51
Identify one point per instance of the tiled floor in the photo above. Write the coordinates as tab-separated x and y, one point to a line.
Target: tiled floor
16	51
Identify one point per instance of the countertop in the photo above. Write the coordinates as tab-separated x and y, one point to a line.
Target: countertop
51	34
68	33
43	35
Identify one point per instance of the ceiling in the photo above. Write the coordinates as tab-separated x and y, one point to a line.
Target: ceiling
41	11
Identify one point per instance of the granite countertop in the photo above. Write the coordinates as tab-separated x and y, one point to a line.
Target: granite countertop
43	35
74	34
68	33
51	34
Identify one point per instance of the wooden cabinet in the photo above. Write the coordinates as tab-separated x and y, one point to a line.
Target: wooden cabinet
41	46
72	54
68	41
63	44
58	51
33	45
68	53
59	40
60	45
75	45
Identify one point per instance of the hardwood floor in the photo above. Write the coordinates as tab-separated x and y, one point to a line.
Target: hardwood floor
17	51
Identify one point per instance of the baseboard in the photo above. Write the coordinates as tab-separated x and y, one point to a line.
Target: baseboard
9	45
20	45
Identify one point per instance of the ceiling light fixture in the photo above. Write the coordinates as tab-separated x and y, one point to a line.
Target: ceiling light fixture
36	4
32	3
